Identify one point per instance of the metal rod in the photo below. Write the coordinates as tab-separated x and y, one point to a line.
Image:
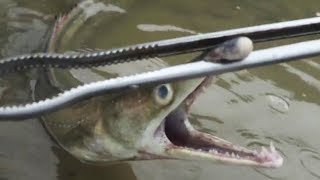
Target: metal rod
162	48
260	33
180	72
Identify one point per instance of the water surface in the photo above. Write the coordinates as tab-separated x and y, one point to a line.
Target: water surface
278	103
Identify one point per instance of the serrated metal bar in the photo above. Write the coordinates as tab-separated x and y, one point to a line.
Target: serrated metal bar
185	71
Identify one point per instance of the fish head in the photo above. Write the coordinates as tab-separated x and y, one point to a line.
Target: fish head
145	123
159	128
135	117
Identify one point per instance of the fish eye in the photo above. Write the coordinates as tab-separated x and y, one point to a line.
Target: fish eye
163	94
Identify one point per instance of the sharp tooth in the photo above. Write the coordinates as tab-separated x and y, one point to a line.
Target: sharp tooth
237	156
272	148
213	151
232	154
263	151
227	154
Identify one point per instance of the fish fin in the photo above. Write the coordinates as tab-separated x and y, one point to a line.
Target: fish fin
60	20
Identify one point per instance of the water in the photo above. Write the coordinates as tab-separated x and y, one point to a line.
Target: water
278	103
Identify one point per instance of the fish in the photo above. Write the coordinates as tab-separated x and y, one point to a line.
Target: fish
142	123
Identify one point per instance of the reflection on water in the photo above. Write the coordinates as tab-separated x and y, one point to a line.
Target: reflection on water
278	103
310	160
70	168
164	28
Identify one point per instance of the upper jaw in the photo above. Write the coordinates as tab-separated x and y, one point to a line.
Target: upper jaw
175	138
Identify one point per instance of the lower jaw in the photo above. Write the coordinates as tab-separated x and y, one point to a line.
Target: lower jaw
172	150
187	154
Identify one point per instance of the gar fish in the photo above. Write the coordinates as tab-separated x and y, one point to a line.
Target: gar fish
143	123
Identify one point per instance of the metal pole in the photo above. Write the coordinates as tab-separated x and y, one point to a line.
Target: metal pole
185	71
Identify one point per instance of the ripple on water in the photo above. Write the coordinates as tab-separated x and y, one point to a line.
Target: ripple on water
310	161
278	103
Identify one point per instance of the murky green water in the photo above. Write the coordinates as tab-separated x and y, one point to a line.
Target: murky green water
278	103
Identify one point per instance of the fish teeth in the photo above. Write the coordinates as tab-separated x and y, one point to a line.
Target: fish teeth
263	151
272	148
213	151
233	155
200	150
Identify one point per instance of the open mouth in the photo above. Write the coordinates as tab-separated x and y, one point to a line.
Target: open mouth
182	141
